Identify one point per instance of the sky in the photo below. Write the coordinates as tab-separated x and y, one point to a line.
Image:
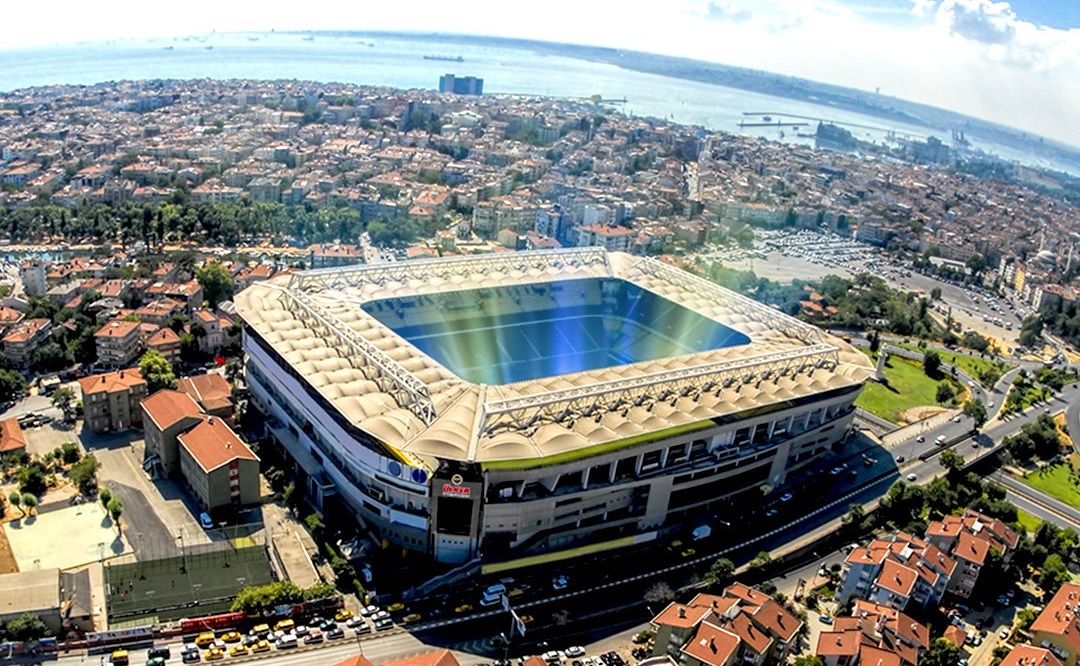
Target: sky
1016	63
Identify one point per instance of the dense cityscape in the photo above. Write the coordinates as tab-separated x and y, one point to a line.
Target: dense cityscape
242	327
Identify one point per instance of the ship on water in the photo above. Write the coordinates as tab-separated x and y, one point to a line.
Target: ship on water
444	57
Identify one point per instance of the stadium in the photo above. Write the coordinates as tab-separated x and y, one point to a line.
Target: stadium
495	405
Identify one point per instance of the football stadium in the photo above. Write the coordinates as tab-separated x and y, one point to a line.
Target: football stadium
494	405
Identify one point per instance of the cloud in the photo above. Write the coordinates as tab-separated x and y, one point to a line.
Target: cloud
979	20
727	12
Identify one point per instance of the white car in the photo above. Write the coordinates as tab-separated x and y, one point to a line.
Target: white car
575	651
911	477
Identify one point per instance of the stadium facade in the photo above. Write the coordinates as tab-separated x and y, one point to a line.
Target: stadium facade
485	406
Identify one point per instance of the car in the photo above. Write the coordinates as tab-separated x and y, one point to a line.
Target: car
369	610
899	459
285	625
286	641
214	653
327	624
162	651
362	629
957	419
771	512
1004	633
411	618
835	470
825	618
575	651
527	619
559	582
463	608
343	614
911	476
335	633
398	606
920	439
301	630
262	645
1003	600
689	552
238	650
260	630
205	521
381	615
383	623
156	661
355	622
232	637
313	636
786	497
191	657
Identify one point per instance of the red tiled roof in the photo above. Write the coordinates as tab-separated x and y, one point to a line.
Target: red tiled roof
166	407
678	615
712	645
11	436
355	660
1029	655
897	578
163	336
971	548
212	444
116	329
839	643
210	390
436	658
955	635
1060	616
120	380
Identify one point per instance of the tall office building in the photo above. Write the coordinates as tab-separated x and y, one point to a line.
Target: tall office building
464	85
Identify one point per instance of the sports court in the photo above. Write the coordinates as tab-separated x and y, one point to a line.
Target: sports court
503	335
200	582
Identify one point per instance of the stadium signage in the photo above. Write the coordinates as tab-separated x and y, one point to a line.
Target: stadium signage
458	491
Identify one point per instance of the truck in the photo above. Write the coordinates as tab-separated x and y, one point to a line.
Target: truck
701	532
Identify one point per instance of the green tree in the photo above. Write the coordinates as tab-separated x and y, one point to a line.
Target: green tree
951	460
315	524
854	515
720	572
941	653
1054	574
30	501
105	495
69	453
809	660
977	411
216	283
116	509
64	400
157	372
84	475
12	385
932	364
26	627
15	500
945	392
760	560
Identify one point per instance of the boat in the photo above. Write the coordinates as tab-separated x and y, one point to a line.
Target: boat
446	58
767	119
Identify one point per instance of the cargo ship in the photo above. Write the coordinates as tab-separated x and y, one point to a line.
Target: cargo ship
446	58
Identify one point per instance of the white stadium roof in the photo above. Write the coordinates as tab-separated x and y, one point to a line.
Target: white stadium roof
404	398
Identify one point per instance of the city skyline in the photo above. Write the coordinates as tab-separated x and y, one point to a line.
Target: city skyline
1011	63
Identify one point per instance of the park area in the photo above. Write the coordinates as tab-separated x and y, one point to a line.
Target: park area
908	387
200	582
1061	481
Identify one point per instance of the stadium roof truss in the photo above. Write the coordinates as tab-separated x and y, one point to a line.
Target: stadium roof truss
781	346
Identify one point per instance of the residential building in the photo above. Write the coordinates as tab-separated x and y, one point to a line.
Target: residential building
12	440
159	312
165	415
212	342
873	634
32	275
219	468
1028	655
741	626
1057	628
336	254
211	391
118	343
461	85
23	339
897	570
166	342
111	400
970	538
61	600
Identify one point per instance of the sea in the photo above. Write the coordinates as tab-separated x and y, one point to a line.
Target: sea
399	62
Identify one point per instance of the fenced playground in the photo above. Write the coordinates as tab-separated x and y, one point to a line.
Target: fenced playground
198	582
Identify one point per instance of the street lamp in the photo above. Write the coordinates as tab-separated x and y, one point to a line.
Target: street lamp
183	559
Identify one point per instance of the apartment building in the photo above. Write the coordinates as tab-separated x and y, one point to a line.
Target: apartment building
219	468
111	400
23	339
118	343
873	635
1057	629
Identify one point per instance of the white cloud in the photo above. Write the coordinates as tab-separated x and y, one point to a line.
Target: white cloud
979	20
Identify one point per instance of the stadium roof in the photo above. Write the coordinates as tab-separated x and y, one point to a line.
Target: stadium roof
393	391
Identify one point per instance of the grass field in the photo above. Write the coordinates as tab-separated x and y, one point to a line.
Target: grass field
908	387
972	366
175	587
1056	482
1028	521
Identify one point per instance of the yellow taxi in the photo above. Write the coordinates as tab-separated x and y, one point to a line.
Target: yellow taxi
205	639
238	650
395	607
343	614
463	608
262	646
214	653
232	637
410	618
286	625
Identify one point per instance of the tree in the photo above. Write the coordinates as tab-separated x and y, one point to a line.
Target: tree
12	385
15	500
315	524
30	501
951	460
721	572
69	453
116	509
977	411
189	348
854	515
932	364
27	627
760	561
945	392
809	660
64	400
216	283
875	342
157	372
659	591
941	653
84	475
1054	574
105	495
